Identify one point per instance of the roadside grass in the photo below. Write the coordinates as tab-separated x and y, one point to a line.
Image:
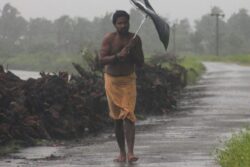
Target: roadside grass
193	66
43	62
239	59
12	146
236	152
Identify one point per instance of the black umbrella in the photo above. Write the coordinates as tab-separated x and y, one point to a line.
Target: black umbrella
161	26
148	5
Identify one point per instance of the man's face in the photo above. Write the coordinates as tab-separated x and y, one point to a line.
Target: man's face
122	25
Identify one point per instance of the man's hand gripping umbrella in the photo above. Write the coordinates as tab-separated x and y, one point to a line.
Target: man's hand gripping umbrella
161	26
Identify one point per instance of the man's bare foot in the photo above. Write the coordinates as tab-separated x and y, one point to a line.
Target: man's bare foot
132	158
120	158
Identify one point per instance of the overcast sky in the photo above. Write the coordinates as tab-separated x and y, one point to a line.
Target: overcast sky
172	9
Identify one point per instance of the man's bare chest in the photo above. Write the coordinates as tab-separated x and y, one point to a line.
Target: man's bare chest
118	44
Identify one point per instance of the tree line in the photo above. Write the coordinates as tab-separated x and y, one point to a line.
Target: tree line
68	36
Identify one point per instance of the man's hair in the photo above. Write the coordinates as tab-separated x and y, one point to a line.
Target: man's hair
119	13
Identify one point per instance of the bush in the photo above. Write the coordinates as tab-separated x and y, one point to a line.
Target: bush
236	152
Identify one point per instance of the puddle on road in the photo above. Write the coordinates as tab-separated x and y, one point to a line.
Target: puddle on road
34	153
28	157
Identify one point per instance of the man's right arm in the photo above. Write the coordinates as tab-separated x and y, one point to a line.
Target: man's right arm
105	57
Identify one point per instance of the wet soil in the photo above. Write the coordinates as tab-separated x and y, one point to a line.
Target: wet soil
207	115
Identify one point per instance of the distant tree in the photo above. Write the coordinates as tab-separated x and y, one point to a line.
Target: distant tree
64	30
216	9
12	29
40	36
68	36
183	32
238	30
83	34
206	29
100	27
196	39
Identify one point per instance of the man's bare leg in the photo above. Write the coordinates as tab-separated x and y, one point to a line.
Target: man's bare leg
129	128
119	133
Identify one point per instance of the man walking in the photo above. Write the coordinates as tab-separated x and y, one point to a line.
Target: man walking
121	54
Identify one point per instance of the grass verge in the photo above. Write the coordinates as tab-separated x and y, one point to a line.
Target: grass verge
236	152
11	147
194	68
239	59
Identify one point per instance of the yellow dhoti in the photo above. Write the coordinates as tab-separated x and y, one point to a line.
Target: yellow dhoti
121	95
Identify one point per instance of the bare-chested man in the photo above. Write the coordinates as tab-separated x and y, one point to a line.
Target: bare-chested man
121	54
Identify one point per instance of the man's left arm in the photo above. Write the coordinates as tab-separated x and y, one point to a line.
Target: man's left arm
139	56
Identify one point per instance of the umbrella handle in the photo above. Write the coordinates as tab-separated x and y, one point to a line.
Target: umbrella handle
142	22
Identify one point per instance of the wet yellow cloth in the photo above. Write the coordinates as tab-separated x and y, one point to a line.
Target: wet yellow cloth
121	95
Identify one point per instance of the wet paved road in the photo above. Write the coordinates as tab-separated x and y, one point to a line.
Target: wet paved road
208	114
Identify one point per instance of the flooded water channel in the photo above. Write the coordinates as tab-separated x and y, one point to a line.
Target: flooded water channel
26	74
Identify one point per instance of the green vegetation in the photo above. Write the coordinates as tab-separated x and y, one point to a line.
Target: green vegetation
31	43
44	62
11	147
193	66
240	59
236	152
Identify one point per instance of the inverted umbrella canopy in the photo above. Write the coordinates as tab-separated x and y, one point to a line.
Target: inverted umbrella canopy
148	5
161	26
